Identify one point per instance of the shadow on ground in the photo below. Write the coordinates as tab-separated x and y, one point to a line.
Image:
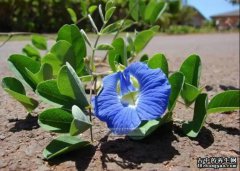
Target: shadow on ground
205	137
82	158
156	148
228	130
29	123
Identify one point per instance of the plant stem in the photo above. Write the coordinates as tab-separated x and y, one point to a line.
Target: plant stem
94	80
80	20
120	28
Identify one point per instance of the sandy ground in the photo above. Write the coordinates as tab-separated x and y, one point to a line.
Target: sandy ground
22	141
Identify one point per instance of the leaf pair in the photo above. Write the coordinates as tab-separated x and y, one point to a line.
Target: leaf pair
67	90
84	11
223	102
15	88
149	13
70	47
191	69
62	121
38	42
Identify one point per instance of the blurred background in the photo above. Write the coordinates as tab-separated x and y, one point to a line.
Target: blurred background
47	16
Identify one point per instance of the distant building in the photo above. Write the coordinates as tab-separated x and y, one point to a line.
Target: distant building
198	18
226	21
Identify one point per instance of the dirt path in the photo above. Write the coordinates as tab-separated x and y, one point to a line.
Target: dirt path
22	141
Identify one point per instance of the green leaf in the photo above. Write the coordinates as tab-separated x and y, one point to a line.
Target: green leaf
63	144
91	9
45	73
119	50
134	8
86	78
142	39
19	63
192	128
84	11
114	27
70	85
189	93
55	120
111	28
72	14
144	130
81	122
32	52
15	88
109	13
58	55
48	91
176	81
155	28
85	37
144	58
174	6
105	47
153	11
109	5
39	42
126	24
148	127
130	47
191	68
159	61
72	35
223	102
101	13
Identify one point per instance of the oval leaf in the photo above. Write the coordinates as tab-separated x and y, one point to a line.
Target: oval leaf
48	91
153	11
159	61
176	81
105	47
72	35
192	128
109	13
109	5
189	93
92	9
226	101
81	122
15	88
39	42
191	69
148	127
72	14
70	85
120	50
19	63
142	39
55	120
144	58
63	144
45	73
134	8
31	52
111	28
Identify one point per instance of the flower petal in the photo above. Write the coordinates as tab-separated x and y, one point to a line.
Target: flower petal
124	121
154	91
107	103
125	84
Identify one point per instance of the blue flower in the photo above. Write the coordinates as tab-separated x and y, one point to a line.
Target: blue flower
123	104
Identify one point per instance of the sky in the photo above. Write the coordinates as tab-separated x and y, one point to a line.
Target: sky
212	7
